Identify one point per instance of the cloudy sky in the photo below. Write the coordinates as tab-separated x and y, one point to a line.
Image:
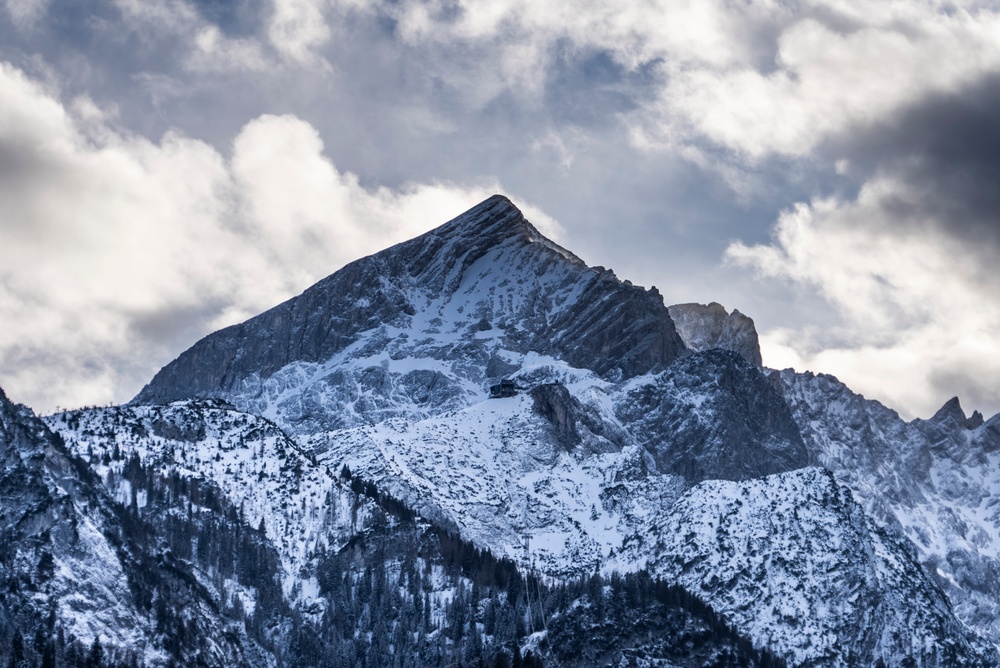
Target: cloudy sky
828	167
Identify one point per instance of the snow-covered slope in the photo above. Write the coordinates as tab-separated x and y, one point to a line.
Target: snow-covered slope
564	465
74	572
336	550
793	560
790	560
303	507
937	479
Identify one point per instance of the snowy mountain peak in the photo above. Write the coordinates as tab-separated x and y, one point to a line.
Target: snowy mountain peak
492	220
464	303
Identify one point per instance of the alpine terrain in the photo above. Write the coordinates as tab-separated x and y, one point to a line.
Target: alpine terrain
474	449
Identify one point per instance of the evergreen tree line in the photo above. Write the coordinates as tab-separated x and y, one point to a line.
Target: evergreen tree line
49	647
638	616
386	605
195	524
184	522
402	593
399	595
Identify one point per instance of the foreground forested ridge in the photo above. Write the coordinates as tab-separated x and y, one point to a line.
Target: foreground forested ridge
399	591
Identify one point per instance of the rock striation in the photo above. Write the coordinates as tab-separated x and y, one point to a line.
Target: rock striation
489	267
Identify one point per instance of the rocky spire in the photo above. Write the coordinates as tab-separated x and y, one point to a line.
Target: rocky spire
710	326
952	410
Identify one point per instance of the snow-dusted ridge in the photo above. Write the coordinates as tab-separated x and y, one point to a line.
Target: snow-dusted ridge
792	558
633	443
302	505
937	480
70	558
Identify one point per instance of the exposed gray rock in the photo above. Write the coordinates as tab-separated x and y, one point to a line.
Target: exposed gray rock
703	327
615	329
712	415
554	403
498	368
953	413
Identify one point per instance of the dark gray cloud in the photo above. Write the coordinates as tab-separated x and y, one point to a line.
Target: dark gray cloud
946	148
904	254
976	391
173	327
587	87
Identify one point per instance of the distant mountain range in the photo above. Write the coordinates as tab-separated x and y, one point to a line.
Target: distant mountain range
329	483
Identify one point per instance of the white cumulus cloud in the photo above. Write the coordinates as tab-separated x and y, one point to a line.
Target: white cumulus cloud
824	81
117	251
918	311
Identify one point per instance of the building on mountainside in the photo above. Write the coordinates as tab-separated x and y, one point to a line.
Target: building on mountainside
503	390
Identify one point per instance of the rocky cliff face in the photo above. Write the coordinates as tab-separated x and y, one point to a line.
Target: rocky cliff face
703	327
712	415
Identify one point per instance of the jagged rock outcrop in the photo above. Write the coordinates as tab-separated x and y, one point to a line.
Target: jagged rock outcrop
712	415
709	326
554	403
952	414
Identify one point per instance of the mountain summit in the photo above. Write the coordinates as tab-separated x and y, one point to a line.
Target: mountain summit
402	347
488	270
